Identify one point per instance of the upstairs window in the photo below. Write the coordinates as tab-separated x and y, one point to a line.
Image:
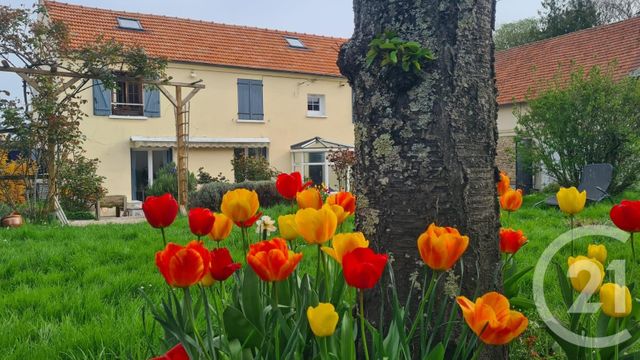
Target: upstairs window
131	24
294	42
250	100
127	99
315	105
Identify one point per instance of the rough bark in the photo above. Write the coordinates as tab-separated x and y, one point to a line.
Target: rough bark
426	145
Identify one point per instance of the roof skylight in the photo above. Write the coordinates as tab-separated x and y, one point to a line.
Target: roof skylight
126	23
294	42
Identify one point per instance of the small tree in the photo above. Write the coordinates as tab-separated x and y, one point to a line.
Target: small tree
167	182
47	128
80	186
587	118
517	33
341	163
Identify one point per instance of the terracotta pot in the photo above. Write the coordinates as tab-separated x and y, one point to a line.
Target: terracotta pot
13	220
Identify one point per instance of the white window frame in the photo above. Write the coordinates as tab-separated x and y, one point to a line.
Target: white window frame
321	113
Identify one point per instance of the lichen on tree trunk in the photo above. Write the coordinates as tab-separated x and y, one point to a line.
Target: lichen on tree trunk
426	146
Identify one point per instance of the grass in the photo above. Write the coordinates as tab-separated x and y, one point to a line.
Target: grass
74	293
542	225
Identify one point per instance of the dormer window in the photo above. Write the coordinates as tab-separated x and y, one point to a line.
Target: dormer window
128	23
294	42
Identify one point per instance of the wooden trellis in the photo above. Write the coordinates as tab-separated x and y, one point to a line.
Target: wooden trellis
178	101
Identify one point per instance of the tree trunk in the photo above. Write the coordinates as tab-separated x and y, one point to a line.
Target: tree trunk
426	143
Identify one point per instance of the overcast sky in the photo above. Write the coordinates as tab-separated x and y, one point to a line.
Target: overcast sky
328	17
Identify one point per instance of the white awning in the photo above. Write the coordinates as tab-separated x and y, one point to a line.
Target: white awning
197	142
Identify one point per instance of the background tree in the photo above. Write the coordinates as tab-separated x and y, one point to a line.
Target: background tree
561	17
425	134
47	130
517	33
587	118
617	10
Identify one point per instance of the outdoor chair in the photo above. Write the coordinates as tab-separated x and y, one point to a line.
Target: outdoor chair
595	179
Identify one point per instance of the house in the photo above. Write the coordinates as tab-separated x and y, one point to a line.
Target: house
526	69
280	94
269	93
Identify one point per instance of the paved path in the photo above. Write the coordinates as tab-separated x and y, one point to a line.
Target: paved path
109	220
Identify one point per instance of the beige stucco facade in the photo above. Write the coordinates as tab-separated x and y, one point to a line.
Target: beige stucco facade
214	114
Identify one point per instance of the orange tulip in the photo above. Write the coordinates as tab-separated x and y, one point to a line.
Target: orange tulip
344	199
441	247
491	318
345	243
240	205
309	198
222	227
504	184
272	260
341	215
511	200
183	266
316	226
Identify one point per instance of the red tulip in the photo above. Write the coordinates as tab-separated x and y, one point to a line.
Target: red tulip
175	353
362	268
183	266
222	266
200	221
250	221
289	185
160	211
626	216
511	240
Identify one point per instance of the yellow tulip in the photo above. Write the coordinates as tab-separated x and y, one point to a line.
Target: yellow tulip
309	198
616	300
340	213
570	200
345	243
581	270
441	247
598	252
221	227
287	225
240	205
322	319
316	226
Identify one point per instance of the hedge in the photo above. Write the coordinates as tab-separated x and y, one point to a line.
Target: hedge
210	195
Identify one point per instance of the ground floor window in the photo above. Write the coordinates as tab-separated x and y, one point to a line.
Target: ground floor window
145	165
258	152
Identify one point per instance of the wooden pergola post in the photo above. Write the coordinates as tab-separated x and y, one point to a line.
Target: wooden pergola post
178	102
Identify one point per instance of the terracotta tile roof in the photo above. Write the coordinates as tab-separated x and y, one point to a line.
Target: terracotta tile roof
203	42
531	65
517	70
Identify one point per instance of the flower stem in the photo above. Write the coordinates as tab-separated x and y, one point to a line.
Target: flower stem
362	328
276	308
633	248
164	238
244	240
325	271
572	247
616	350
419	316
324	350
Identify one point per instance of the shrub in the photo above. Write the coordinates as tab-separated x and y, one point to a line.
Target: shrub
80	185
589	118
80	215
205	178
210	195
252	169
167	182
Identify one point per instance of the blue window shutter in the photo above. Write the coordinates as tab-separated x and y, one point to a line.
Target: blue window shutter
101	99
151	101
257	112
244	104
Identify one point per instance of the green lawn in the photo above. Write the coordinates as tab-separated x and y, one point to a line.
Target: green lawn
542	225
73	293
